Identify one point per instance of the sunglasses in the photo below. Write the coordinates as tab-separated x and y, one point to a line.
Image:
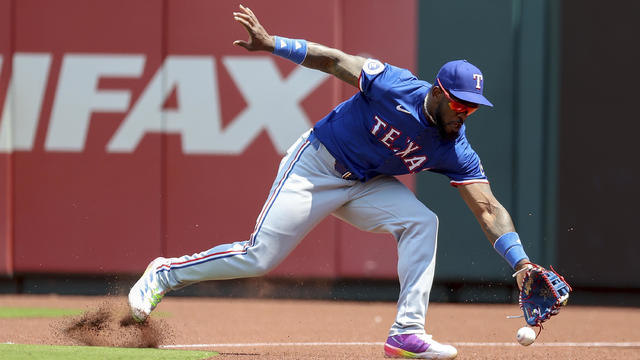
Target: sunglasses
456	106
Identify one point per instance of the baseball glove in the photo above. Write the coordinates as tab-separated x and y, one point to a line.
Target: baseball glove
543	293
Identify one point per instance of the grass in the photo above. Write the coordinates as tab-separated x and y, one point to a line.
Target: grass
37	352
18	312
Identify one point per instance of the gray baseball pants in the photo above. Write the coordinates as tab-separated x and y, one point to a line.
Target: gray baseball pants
307	189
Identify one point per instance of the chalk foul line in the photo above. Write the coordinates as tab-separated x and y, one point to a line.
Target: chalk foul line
462	344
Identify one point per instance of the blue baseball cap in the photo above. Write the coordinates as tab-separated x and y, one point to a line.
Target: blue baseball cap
465	81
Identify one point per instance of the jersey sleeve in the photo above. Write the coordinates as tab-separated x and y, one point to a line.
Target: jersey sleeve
376	78
468	170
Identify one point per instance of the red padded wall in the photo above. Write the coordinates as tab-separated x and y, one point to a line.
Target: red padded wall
156	136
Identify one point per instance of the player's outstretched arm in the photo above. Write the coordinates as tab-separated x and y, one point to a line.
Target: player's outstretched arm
496	224
309	54
492	216
335	62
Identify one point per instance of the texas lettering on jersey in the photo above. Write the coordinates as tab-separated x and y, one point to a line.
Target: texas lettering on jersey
393	139
388	108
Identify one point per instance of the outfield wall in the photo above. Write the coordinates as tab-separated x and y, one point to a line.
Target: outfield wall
134	128
131	129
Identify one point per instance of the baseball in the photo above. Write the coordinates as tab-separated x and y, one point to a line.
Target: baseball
526	336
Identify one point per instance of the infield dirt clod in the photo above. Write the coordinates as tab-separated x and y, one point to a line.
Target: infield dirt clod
111	325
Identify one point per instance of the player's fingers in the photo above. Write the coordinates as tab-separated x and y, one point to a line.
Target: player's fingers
253	18
241	43
243	22
245	10
251	13
244	16
247	20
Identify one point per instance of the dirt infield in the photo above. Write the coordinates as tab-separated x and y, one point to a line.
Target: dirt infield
303	329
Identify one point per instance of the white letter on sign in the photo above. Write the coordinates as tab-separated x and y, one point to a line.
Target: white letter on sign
197	118
273	102
78	96
23	102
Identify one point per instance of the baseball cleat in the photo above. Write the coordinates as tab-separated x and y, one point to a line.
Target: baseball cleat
417	346
147	292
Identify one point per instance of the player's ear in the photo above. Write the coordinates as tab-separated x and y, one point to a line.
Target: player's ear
436	92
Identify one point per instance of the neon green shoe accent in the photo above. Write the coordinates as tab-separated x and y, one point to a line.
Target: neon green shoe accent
155	298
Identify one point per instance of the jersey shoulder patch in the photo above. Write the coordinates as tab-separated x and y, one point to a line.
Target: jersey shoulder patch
372	67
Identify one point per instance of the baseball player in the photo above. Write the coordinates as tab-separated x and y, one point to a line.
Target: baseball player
394	124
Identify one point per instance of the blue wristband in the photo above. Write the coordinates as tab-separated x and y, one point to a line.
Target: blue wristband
292	49
509	246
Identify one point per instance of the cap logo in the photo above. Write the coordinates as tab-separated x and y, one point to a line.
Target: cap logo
478	79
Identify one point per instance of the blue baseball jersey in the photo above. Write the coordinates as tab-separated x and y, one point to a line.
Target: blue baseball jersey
382	130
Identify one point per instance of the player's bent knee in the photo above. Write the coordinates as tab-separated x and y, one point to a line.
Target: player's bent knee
426	219
422	226
432	217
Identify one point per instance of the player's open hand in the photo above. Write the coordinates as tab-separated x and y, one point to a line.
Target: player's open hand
259	39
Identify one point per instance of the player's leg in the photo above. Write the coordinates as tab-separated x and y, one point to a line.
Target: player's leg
386	205
305	191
